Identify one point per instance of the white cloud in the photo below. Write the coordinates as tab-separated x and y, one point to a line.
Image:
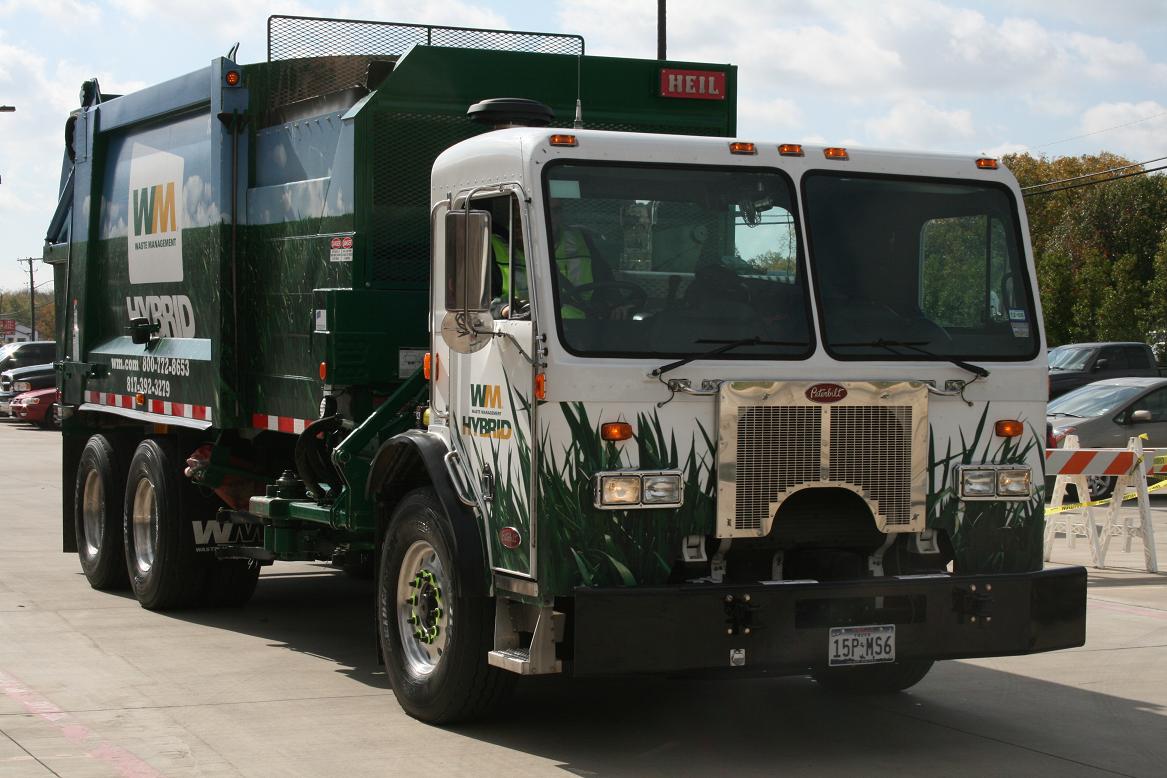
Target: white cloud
915	123
1137	128
71	12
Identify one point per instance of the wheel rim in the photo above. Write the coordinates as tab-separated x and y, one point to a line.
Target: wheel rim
93	513
423	609
145	525
1098	484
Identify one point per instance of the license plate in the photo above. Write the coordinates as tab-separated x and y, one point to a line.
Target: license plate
861	645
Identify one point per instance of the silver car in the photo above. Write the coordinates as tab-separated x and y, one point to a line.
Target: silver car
1107	414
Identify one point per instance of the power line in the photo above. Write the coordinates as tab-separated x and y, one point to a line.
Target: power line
1090	175
1092	183
1099	132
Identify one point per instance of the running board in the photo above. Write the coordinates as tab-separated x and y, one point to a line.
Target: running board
546	629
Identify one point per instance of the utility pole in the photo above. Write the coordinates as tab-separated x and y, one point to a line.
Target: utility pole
660	29
31	296
7	108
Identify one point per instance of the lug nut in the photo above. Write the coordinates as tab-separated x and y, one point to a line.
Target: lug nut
972	619
729	631
729	598
745	630
745	598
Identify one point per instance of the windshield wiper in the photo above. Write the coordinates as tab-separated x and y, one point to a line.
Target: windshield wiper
727	345
892	345
1063	413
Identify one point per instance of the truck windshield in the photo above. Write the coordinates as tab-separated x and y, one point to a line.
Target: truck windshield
935	263
672	261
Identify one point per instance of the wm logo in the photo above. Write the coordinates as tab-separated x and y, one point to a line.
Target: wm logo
486	395
154	209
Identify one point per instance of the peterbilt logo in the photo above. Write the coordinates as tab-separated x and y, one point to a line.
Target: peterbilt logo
826	393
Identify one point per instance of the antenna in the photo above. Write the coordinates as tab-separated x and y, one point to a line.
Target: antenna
578	123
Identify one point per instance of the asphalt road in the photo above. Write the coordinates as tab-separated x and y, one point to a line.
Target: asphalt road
93	685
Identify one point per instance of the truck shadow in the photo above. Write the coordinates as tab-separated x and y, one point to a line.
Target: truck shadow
981	718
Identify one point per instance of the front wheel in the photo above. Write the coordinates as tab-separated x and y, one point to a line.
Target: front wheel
434	636
1101	486
874	679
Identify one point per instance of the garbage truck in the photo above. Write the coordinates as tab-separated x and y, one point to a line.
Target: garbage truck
584	381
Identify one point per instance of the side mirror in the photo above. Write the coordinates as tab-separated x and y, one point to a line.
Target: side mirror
1140	417
141	329
468	261
1100	364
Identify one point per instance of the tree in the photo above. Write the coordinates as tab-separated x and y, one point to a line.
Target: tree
15	302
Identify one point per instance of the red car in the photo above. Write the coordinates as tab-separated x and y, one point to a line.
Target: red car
36	407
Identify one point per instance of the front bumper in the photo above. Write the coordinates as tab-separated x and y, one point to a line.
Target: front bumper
783	627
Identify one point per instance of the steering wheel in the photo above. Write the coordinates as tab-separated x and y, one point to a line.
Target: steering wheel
601	298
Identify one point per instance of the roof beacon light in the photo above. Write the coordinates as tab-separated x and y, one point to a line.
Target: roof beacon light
232	77
740	147
791	150
987	163
836	152
564	140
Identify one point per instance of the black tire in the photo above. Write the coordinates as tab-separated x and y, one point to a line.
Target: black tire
874	679
164	569
1101	486
230	582
50	421
459	685
97	515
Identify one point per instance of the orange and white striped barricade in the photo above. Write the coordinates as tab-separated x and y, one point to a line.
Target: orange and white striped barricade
1071	465
1122	523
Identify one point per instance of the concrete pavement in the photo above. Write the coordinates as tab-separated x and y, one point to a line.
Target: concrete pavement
93	685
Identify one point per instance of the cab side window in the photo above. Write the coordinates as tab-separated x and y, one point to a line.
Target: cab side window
1115	358
1155	402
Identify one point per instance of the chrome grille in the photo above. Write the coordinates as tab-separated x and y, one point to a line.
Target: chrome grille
871	447
775	440
778	447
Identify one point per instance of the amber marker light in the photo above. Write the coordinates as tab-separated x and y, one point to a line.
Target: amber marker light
323	371
564	140
232	78
139	399
791	150
616	430
740	147
541	386
1009	428
987	163
427	366
835	152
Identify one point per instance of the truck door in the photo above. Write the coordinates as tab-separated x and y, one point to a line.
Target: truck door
491	399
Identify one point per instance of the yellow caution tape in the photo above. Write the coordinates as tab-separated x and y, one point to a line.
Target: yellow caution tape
1092	503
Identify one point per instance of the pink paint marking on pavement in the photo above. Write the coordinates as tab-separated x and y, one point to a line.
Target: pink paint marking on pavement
1134	610
125	762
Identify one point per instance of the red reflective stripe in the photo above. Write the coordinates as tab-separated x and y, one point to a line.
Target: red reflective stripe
1122	464
177	408
1078	462
286	424
259	421
199	412
157	406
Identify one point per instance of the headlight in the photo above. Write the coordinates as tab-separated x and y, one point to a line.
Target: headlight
33	401
620	490
1013	483
978	483
22	386
664	488
994	482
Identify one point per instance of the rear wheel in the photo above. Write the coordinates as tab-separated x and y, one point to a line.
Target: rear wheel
434	637
160	552
1101	486
97	515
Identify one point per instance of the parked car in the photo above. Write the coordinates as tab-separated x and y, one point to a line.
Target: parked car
36	352
24	379
1107	414
37	407
1078	364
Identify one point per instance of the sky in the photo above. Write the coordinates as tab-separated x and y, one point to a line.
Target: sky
1051	77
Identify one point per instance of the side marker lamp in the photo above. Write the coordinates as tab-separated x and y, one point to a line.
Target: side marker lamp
232	78
1008	428
791	150
836	152
986	163
563	140
616	430
740	147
